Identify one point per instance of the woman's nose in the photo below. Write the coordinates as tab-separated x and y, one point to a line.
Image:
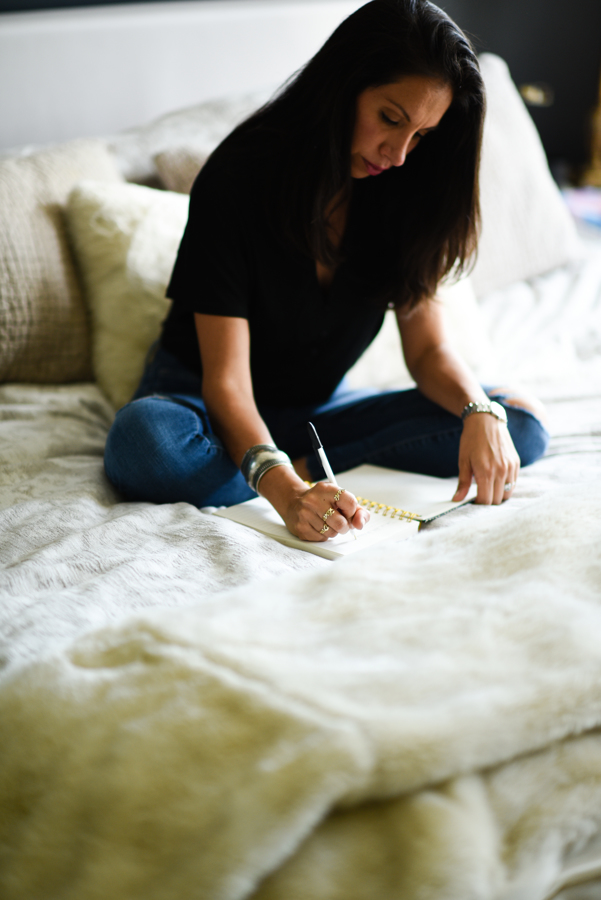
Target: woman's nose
398	151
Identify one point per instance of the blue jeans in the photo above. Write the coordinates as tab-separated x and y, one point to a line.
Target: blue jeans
162	448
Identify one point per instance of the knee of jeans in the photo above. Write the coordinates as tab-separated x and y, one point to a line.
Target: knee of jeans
146	445
529	435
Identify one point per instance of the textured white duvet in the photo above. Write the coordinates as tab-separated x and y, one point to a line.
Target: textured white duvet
186	713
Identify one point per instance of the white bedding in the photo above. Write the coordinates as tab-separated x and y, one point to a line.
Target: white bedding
546	332
190	710
187	713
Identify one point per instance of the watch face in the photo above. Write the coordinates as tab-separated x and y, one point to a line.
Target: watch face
499	411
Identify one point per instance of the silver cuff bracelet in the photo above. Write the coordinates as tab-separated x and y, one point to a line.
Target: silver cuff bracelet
259	460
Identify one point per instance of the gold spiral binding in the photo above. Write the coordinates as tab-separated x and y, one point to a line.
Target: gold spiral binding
392	511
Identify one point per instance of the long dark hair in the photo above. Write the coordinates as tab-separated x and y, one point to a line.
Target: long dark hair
428	209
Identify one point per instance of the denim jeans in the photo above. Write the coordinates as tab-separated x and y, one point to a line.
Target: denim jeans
162	448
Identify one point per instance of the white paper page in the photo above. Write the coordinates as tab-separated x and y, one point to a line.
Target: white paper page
377	530
420	494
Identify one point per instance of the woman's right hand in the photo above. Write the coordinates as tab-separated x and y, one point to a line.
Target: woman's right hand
224	344
310	511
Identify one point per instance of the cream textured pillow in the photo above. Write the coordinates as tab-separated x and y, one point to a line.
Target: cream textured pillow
382	365
44	335
526	227
126	239
179	167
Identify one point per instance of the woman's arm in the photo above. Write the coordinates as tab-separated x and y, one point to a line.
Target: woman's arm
486	451
227	391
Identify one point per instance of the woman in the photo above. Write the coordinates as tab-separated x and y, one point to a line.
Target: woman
354	190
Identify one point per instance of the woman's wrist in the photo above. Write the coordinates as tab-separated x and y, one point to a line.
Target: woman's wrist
260	459
282	487
490	407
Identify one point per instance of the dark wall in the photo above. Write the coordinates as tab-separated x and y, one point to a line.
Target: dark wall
549	41
553	41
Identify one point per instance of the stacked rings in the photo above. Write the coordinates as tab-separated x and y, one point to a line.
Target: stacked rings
331	511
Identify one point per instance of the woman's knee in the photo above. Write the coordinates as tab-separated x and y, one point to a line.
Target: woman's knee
528	433
521	399
527	420
161	451
145	448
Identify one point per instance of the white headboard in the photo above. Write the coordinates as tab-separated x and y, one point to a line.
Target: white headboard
94	71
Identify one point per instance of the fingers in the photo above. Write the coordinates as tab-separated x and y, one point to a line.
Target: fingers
511	480
360	519
497	485
487	451
498	488
490	487
465	481
333	519
335	508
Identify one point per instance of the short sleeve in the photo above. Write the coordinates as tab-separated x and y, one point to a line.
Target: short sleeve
212	272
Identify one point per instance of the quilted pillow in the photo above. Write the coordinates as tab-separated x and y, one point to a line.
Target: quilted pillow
126	238
44	335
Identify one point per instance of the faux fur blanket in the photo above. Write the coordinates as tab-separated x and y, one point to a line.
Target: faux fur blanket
412	725
191	710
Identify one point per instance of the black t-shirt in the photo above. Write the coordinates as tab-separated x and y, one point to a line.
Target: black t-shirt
234	261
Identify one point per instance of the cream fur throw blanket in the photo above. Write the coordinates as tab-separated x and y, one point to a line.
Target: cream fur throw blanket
401	726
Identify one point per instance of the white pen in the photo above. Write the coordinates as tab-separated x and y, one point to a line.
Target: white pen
321	453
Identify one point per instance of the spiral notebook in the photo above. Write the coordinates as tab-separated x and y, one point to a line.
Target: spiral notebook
399	502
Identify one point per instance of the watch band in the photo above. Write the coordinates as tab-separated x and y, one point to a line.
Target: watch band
493	408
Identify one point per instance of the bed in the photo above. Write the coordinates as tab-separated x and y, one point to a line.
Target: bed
190	709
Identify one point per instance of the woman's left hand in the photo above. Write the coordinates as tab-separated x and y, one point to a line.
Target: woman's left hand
487	453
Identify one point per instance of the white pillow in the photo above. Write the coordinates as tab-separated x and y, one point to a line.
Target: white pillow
178	168
526	227
198	128
126	239
382	365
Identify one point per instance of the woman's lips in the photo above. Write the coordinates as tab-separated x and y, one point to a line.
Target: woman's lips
371	169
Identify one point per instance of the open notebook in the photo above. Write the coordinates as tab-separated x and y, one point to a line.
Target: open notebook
398	502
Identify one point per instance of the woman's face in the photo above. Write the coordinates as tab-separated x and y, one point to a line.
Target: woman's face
392	119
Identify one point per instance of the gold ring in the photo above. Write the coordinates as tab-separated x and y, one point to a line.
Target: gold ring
324	529
327	515
337	496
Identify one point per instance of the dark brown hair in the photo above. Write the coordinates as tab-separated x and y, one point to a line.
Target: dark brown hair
427	209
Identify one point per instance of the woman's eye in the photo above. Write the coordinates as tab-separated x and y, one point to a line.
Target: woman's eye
387	119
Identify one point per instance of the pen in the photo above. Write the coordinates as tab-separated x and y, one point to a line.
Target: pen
321	454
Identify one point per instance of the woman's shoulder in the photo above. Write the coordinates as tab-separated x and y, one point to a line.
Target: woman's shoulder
244	167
